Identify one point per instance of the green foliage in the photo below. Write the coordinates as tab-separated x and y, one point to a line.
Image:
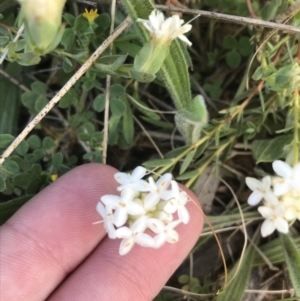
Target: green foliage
238	48
271	149
292	258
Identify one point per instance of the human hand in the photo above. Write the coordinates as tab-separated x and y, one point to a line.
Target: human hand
50	249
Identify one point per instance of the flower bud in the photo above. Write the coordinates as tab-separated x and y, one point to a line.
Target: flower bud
43	28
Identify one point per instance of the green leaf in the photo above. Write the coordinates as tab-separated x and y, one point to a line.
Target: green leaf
158	163
28	99
48	143
117	106
117	90
68	38
57	160
229	42
30	158
9	101
3	40
244	46
118	62
11	166
257	75
238	282
271	149
128	124
188	175
130	48
70	19
34	142
69	98
41	102
7	209
233	59
22	180
175	152
99	103
142	77
113	123
5	140
81	25
103	22
39	88
23	148
292	259
186	162
143	107
2	184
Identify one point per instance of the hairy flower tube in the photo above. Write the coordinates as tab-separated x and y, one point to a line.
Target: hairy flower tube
151	57
280	196
43	28
146	212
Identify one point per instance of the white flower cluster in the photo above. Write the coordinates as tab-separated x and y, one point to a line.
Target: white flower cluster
144	205
280	195
166	30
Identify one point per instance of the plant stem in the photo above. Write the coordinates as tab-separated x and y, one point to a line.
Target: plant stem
296	125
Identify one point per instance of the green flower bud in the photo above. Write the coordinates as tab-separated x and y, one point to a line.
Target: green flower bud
43	28
192	119
151	57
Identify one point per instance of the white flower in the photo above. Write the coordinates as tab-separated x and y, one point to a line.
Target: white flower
177	201
156	190
291	201
123	205
275	220
107	214
166	233
290	177
166	30
134	234
261	190
132	181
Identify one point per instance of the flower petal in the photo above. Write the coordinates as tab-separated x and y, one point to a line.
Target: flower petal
267	228
138	173
101	210
110	200
123	232
120	216
183	214
156	225
126	245
159	240
144	240
281	225
254	198
253	183
282	169
151	200
134	208
171	206
271	198
265	211
172	236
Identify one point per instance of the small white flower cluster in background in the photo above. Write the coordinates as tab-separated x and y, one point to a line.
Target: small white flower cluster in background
280	195
144	205
167	30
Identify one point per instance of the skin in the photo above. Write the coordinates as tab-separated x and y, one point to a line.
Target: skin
50	249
